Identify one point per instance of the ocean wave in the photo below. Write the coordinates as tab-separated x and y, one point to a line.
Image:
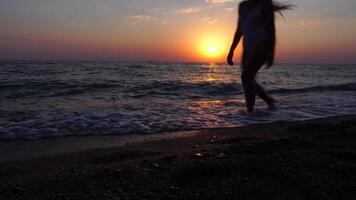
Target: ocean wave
52	88
150	118
219	89
321	88
185	90
160	89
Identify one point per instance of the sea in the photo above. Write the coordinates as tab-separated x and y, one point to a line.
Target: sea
42	99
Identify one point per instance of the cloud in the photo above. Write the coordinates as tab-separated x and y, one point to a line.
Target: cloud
149	18
188	10
145	17
25	39
210	20
316	22
218	1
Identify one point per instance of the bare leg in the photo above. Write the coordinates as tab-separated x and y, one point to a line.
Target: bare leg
251	64
249	84
263	95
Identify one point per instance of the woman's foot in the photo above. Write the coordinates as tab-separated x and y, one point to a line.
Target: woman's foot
271	104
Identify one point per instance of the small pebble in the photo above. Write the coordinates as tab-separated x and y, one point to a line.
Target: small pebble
199	155
18	189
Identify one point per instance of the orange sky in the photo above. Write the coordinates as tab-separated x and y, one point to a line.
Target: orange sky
186	30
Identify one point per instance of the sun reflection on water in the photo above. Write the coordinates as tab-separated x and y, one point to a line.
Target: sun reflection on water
212	73
214	112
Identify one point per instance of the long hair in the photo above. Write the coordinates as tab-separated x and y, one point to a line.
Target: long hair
278	7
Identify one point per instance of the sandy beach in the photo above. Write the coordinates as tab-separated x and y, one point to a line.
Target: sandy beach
283	160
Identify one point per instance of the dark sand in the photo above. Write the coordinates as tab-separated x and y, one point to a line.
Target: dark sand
297	160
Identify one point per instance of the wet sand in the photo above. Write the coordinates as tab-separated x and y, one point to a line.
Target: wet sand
285	160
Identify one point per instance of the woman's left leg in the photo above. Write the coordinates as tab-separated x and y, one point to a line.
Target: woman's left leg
264	96
251	64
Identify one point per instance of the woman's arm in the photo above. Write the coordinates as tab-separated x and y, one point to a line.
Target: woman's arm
237	38
234	44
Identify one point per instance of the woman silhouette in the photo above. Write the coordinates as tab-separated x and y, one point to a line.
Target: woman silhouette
256	24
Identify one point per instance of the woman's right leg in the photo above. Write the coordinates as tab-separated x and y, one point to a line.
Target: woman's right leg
249	85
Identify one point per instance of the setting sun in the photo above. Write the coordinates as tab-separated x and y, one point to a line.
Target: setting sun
212	47
212	50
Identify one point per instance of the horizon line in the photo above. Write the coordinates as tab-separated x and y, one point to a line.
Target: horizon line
158	61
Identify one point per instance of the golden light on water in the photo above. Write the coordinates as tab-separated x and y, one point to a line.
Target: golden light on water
210	73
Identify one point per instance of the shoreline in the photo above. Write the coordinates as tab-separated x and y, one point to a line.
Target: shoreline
312	159
22	150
